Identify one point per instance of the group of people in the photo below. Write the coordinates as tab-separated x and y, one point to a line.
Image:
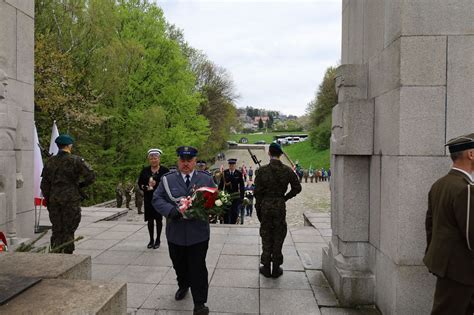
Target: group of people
314	175
449	219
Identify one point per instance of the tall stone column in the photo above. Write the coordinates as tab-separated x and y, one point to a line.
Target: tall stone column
16	118
347	262
409	67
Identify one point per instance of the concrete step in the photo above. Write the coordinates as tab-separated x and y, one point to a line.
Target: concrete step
46	266
57	296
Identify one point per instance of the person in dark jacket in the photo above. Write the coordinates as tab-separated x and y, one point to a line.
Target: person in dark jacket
148	181
271	184
188	239
232	182
62	179
450	232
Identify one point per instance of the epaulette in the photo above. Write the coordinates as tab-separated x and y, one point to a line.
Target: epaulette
170	172
204	172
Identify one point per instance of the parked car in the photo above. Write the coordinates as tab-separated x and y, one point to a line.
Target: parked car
260	142
232	143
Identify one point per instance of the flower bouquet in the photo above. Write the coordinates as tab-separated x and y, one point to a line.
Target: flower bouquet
205	202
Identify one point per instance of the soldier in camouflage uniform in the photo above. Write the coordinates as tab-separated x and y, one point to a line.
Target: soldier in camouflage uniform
128	192
119	194
61	186
271	183
139	198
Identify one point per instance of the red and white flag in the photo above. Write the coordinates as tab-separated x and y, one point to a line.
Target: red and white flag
53	148
37	170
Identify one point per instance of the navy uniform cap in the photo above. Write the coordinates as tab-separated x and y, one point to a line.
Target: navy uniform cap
186	152
276	147
64	139
201	162
232	161
461	143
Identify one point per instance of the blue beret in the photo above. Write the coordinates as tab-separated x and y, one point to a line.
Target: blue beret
186	151
232	161
275	146
64	139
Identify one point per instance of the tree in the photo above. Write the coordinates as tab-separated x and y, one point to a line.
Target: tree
260	123
320	109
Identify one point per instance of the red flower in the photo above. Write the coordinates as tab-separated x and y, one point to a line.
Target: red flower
209	198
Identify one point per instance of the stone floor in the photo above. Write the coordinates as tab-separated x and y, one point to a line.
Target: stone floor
119	253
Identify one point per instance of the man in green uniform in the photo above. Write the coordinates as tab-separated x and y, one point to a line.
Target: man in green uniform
63	176
271	183
450	232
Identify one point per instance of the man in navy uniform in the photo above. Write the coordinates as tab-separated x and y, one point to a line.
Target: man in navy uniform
232	182
450	232
188	239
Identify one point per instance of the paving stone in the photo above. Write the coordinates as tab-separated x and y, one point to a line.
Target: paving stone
218	238
304	238
325	296
89	252
309	246
126	228
317	278
326	232
110	235
278	301
348	311
141	274
308	230
170	278
219	230
233	300
243	239
162	297
288	240
137	293
241	249
158	259
97	244
105	272
235	278
115	257
238	262
295	280
168	312
311	259
88	231
129	245
288	251
292	263
244	231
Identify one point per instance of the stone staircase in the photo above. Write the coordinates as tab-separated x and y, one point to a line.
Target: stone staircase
65	286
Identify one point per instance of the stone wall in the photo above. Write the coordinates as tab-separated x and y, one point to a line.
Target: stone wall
405	86
16	117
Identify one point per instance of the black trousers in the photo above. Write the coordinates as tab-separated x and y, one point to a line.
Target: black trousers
189	262
230	217
452	297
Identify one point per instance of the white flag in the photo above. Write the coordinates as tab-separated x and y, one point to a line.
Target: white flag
53	148
37	170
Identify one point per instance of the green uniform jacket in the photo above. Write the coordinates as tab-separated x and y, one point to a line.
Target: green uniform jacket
450	228
62	177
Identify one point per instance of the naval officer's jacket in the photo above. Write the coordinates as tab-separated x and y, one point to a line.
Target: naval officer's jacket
181	231
450	228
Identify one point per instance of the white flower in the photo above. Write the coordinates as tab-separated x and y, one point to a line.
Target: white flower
218	203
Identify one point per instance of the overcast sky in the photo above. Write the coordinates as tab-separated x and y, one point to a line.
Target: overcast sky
276	51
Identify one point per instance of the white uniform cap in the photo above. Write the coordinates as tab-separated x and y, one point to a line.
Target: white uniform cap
155	151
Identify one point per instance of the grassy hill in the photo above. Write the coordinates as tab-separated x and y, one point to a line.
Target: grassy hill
307	155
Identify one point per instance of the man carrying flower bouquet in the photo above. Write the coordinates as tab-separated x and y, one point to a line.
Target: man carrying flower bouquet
188	238
271	183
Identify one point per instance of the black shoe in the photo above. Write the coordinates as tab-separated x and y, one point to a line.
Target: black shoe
200	309
265	271
150	245
157	244
181	293
277	271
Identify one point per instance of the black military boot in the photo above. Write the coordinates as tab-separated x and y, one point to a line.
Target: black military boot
200	309
276	271
265	271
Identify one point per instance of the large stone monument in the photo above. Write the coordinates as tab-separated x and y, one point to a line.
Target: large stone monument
405	86
16	118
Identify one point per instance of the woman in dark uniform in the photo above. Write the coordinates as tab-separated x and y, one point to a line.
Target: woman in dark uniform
148	182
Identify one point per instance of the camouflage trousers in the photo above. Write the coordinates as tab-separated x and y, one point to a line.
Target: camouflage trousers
65	219
272	231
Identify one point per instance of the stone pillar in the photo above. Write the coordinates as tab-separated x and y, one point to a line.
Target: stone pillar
419	61
16	118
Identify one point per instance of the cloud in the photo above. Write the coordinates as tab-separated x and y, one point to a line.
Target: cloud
276	51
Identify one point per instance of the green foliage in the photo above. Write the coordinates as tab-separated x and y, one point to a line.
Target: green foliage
307	155
119	78
260	123
320	109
